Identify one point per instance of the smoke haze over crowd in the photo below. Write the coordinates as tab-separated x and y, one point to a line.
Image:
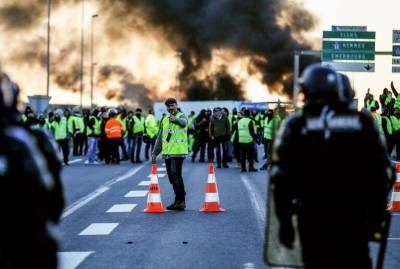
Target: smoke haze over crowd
154	42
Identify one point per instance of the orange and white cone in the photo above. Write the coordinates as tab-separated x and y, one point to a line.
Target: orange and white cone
154	204
395	201
211	201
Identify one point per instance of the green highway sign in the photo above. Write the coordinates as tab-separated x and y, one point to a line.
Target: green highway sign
348	45
396	36
351	67
349	48
396	50
396	61
348	35
348	56
395	69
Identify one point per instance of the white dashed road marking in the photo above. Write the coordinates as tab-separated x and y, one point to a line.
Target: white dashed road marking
121	208
82	202
99	229
71	260
75	161
249	265
136	194
144	183
256	202
105	187
161	169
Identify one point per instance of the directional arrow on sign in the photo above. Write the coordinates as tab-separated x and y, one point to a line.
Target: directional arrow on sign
351	66
368	67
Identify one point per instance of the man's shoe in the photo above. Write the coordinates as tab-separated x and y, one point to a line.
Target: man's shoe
139	161
253	170
218	166
171	206
243	170
180	205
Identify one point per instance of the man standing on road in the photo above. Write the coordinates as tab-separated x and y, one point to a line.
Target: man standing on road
320	173
113	130
173	144
220	134
92	132
138	130
60	127
151	129
247	136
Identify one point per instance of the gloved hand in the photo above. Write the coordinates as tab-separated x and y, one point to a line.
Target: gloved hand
286	235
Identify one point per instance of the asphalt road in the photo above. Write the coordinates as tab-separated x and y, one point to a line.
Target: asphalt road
93	237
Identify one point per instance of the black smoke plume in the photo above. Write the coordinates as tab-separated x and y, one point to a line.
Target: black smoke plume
218	86
129	91
266	30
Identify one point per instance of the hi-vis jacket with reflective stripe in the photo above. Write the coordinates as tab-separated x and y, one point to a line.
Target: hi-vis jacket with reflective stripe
151	126
138	126
113	128
174	137
95	129
244	131
60	129
268	128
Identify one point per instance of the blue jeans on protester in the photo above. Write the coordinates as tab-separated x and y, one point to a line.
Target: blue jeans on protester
92	149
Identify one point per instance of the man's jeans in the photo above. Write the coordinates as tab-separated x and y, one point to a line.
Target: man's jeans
92	149
174	171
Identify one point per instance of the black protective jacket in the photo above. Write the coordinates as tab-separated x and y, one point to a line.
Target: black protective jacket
331	169
28	197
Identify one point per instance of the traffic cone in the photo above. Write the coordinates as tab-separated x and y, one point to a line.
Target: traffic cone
395	201
211	201
154	204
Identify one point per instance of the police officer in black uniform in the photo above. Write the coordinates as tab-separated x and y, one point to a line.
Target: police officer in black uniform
322	173
31	195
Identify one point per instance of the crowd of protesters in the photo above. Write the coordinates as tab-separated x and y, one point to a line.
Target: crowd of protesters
113	135
388	118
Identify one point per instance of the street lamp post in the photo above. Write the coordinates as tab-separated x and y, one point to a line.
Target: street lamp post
82	51
48	47
92	63
177	86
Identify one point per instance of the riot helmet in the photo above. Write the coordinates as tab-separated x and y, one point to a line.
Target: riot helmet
346	92
320	84
8	98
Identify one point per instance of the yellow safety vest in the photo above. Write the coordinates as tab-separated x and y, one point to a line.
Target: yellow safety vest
174	137
244	131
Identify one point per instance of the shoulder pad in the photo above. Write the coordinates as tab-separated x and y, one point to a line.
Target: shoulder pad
3	165
29	141
19	133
